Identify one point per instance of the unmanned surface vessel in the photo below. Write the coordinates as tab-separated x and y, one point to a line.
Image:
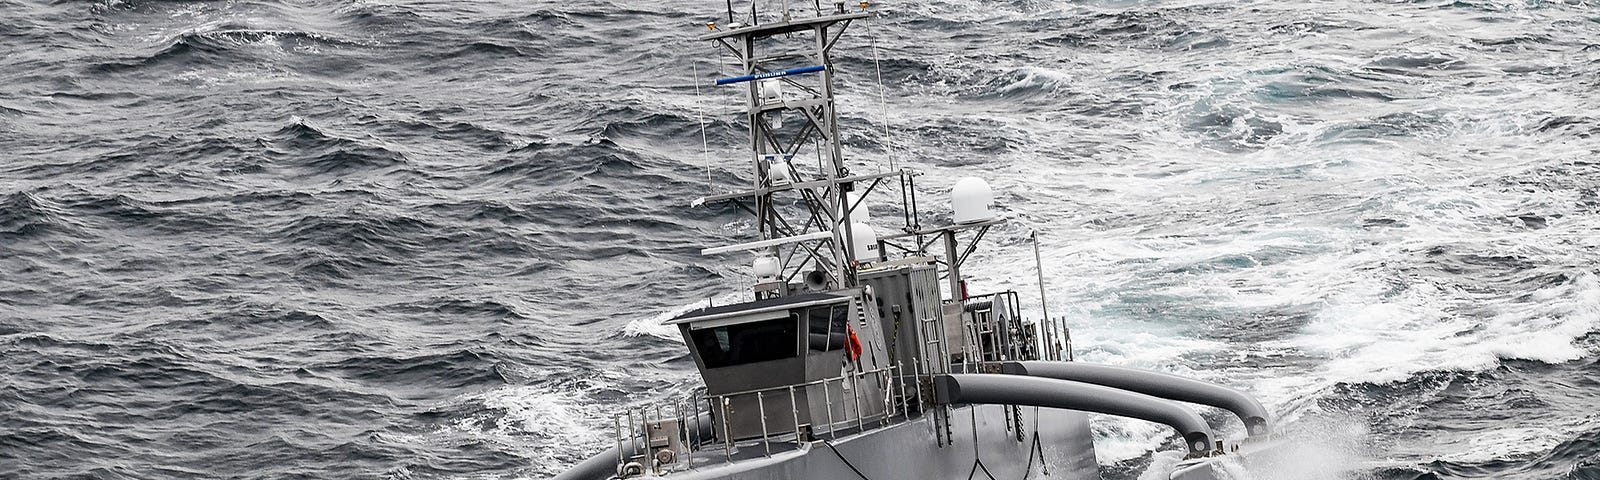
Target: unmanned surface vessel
865	356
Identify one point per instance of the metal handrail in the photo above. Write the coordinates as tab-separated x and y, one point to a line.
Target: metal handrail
807	384
640	419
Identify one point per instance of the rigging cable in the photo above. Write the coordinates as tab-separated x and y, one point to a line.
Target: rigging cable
883	110
883	97
845	460
1037	447
977	460
700	113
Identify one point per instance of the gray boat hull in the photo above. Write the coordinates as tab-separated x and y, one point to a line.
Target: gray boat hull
1064	448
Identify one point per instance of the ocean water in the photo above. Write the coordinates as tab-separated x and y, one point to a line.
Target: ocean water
368	239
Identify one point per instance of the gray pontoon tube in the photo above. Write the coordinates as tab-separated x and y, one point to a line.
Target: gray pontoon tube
1171	387
984	388
604	465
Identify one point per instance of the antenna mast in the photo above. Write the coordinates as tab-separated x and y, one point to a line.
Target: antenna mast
788	74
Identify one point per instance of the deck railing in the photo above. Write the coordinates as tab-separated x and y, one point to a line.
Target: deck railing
995	332
665	437
670	436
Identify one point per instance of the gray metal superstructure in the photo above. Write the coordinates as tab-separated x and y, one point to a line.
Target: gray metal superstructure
865	356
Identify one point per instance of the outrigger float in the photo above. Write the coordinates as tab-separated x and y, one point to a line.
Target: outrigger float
855	360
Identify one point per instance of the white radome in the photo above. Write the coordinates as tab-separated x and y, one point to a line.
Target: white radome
865	242
767	267
860	213
970	199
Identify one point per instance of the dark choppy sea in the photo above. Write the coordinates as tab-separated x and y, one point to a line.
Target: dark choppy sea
382	239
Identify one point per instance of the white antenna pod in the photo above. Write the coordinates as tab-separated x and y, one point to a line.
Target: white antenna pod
772	92
767	268
865	241
778	171
970	199
859	212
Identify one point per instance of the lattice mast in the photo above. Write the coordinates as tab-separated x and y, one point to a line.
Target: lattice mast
785	56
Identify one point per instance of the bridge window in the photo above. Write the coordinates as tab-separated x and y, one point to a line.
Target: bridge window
828	327
744	343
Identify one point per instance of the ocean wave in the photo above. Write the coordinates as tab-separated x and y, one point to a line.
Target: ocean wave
8	111
1026	83
370	15
393	236
654	325
482	136
1577	125
958	139
1536	424
609	169
1232	127
1414	332
223	44
244	321
1394	125
25	214
320	266
538	28
485	49
1317	82
437	240
536	418
1132	22
636	123
309	148
141	214
443	372
442	310
1416	64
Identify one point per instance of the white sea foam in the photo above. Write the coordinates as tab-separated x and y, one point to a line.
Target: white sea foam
1504	443
654	325
1161	465
1366	341
1119	439
531	421
1152	219
1379	310
1320	449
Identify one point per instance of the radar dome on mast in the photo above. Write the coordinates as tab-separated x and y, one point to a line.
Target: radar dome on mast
865	242
858	209
864	238
970	199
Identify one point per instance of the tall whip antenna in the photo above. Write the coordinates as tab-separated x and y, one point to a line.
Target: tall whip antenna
883	100
700	113
1044	301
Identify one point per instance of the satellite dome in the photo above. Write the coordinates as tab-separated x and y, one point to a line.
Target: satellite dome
865	242
859	212
970	199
